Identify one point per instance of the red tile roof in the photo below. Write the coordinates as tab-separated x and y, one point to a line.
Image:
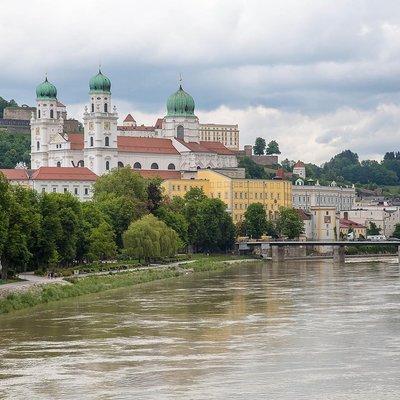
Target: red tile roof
76	140
146	145
15	174
153	173
129	118
207	147
305	216
218	147
347	223
64	174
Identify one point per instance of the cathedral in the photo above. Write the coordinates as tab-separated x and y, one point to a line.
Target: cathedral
174	143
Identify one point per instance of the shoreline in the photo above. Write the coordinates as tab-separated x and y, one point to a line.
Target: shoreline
78	286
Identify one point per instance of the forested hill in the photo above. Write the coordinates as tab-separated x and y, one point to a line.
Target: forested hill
346	167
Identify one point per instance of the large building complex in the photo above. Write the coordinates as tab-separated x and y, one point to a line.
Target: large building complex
236	191
103	146
307	196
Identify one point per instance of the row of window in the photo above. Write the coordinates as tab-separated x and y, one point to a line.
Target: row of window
65	190
105	107
257	196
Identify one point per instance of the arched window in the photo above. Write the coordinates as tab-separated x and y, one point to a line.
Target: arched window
91	141
107	141
51	114
107	165
137	165
171	166
154	166
105	107
198	167
81	163
180	132
37	145
58	163
92	107
38	113
120	164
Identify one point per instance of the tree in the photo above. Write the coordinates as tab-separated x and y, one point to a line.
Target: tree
120	211
289	223
272	148
259	146
122	182
174	220
102	243
396	232
255	219
14	148
4	219
150	238
373	229
154	194
215	230
252	170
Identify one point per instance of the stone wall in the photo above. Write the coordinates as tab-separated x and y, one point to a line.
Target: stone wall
19	113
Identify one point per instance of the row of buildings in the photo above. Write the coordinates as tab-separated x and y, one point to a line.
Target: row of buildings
183	152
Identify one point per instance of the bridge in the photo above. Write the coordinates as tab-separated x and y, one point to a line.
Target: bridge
278	246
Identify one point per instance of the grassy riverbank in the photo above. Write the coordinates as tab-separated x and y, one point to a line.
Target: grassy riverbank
95	284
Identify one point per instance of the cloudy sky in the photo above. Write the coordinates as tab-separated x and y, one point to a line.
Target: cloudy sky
318	76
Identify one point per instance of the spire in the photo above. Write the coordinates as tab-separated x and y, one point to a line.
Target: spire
180	81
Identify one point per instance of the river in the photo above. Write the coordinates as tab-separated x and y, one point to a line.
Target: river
257	331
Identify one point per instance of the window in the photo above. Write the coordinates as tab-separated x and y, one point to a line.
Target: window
58	164
38	113
81	163
171	166
65	190
137	165
105	107
54	189
154	166
51	114
120	164
180	132
86	191
91	141
43	190
76	191
37	145
107	165
106	141
92	107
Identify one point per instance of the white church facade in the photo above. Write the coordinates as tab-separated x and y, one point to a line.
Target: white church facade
104	146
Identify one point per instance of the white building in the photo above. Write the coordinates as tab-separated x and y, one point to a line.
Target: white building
299	169
174	143
307	196
384	217
78	181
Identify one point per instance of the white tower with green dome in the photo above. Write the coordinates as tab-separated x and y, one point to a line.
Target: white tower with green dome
100	127
180	121
45	125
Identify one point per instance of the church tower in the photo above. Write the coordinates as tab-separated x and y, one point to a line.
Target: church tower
100	127
180	121
44	125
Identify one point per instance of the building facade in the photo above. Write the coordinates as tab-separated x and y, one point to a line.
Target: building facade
175	145
228	135
236	193
307	196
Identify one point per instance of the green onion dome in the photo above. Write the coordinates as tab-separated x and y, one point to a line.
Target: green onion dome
46	91
99	83
180	104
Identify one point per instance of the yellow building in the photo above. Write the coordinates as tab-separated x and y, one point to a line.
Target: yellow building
236	193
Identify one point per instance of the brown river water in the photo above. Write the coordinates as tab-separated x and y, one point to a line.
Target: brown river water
302	330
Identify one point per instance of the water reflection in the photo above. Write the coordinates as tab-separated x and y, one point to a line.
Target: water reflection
292	331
